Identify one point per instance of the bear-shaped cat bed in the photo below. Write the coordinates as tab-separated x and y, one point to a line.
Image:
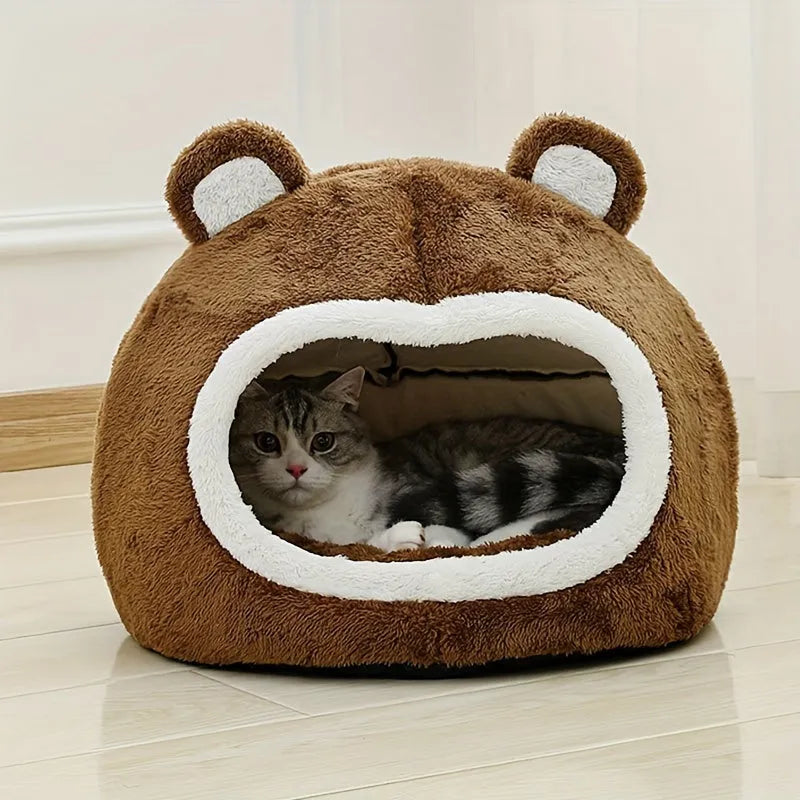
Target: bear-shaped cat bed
465	293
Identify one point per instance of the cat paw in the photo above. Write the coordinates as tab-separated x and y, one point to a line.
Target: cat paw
445	536
401	536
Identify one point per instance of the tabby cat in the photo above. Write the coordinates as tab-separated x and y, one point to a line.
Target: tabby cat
305	462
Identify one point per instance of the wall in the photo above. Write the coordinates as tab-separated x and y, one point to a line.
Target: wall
105	95
776	38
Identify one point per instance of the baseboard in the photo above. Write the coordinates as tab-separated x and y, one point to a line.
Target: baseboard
48	428
105	229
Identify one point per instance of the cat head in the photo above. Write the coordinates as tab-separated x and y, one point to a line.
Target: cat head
290	441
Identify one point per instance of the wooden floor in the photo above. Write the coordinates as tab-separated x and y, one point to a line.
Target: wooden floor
85	713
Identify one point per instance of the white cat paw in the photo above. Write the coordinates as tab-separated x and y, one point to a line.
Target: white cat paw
401	536
445	536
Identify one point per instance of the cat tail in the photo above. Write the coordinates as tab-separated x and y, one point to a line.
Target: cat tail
555	489
569	485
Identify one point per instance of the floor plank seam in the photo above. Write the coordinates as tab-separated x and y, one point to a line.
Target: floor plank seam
54	582
58	630
249	694
733	651
539	757
69	580
471	768
98	682
160	739
523	680
46	536
46	499
764	585
180	667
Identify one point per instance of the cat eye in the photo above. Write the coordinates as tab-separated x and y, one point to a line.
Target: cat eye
267	442
323	442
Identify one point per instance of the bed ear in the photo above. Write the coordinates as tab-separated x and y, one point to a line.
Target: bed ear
226	173
588	164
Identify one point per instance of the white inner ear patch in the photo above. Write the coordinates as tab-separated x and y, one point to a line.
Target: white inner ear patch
233	190
579	175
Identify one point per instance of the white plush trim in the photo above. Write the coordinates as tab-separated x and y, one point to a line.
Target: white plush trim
455	320
233	190
579	175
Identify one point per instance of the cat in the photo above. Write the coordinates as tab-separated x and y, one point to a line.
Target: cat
304	460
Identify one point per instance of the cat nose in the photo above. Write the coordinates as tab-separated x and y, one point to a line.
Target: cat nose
296	470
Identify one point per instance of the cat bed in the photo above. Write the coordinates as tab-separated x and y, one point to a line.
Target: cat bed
465	292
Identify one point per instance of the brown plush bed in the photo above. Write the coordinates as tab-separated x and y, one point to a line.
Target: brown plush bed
466	292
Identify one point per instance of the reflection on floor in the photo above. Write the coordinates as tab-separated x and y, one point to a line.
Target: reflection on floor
86	713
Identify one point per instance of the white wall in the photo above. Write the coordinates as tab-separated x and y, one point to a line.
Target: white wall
776	37
104	95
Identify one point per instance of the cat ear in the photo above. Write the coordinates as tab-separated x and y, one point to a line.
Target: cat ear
228	172
254	391
588	164
346	388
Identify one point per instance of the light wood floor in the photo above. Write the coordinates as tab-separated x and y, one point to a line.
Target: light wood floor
85	713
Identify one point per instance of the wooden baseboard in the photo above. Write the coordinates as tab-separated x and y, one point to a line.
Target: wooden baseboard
48	428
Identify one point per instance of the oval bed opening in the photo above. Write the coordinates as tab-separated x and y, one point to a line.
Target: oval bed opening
511	354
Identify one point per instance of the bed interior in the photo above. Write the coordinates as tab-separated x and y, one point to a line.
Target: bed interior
409	387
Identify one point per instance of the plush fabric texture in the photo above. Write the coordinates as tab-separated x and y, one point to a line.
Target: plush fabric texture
579	175
419	230
599	547
233	190
365	552
219	145
560	129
